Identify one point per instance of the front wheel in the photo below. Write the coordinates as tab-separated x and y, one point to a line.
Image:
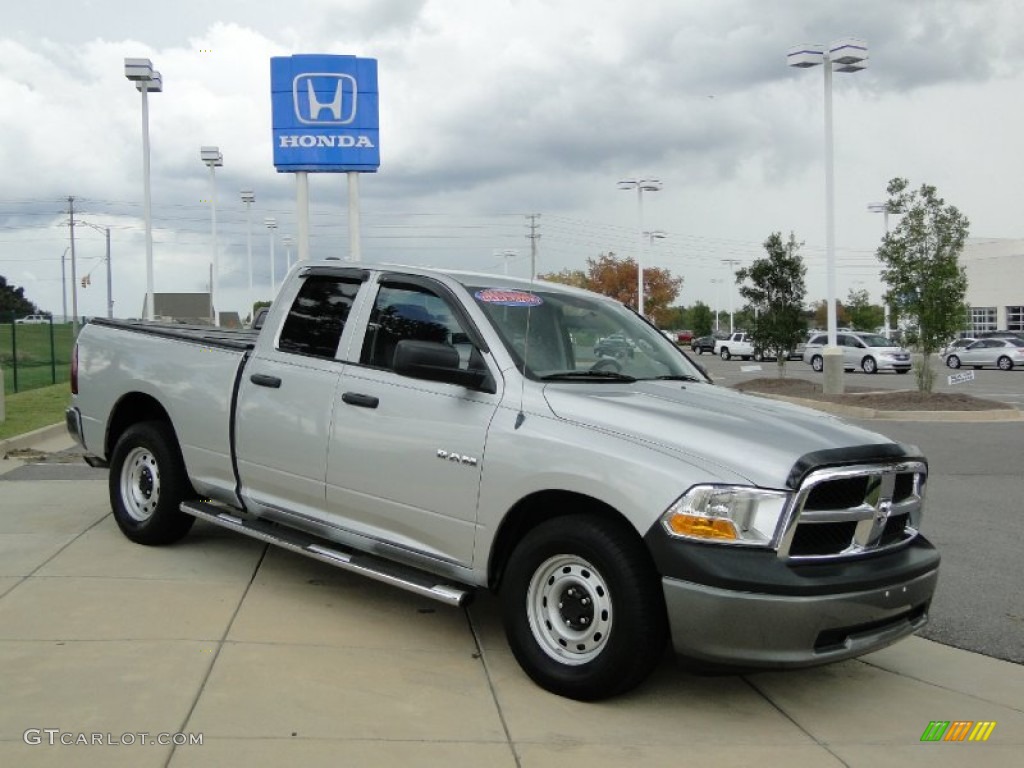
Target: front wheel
953	361
582	607
868	365
817	364
1005	364
147	483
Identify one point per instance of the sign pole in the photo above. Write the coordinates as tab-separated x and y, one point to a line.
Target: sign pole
353	216
302	212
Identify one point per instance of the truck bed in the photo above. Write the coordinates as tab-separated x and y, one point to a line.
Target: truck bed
231	338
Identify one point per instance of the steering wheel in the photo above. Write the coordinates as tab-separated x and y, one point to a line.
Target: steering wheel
607	364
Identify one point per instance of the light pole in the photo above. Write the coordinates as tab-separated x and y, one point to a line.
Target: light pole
248	197
213	159
844	55
508	253
641	186
287	242
884	209
271	224
147	80
732	292
106	232
717	281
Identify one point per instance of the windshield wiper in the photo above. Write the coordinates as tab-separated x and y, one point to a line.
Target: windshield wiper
567	375
676	377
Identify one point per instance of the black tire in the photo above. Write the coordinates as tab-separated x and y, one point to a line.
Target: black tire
724	354
903	370
868	365
952	361
758	357
1005	363
817	364
147	483
613	632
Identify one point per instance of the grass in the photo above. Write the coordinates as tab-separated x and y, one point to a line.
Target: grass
34	408
32	356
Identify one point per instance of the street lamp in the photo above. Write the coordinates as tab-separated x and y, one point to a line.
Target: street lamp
508	253
844	55
717	281
884	209
732	292
106	231
213	159
641	186
147	80
248	197
271	224
287	242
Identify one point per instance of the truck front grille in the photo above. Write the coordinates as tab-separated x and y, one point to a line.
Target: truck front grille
849	511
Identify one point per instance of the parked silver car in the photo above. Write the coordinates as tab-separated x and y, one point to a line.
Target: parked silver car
1003	354
871	352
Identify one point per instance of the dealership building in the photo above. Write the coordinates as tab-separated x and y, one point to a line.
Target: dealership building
995	288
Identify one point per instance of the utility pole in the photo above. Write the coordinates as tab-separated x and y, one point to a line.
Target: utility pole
74	278
533	237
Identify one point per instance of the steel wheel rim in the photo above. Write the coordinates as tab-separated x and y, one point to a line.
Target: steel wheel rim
569	609
140	484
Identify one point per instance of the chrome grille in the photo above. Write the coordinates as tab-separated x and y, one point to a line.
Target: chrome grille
848	511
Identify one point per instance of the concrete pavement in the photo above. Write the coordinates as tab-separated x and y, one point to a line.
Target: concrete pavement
278	660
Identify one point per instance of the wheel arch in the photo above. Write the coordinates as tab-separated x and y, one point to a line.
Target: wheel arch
133	408
539	507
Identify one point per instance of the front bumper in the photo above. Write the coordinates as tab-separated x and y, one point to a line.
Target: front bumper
746	628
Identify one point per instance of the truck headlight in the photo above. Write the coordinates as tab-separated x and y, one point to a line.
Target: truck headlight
728	514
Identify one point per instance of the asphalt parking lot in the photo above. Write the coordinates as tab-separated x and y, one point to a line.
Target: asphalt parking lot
271	659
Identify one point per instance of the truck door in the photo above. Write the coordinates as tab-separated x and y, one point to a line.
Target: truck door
406	454
286	400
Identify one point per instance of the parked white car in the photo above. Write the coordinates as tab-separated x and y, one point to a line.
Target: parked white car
33	320
1004	354
870	352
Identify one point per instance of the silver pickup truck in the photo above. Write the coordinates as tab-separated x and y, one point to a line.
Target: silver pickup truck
447	432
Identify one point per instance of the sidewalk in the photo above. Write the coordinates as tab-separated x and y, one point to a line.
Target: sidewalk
279	660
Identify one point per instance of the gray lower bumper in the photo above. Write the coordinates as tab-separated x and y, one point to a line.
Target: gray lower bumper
749	629
73	420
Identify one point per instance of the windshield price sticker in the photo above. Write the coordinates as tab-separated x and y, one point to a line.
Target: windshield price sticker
508	298
960	378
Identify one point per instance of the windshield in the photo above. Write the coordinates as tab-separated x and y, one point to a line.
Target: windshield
579	337
877	340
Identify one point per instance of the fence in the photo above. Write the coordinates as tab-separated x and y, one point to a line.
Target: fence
34	355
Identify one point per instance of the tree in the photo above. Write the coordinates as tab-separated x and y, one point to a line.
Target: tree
617	278
927	283
12	299
776	294
864	316
702	318
820	312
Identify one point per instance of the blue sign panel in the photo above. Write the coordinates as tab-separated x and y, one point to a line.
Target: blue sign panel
325	113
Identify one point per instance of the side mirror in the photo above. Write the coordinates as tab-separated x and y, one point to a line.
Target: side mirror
434	361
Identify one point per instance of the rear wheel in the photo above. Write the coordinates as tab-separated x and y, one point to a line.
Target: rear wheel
583	608
1005	363
724	354
147	483
817	363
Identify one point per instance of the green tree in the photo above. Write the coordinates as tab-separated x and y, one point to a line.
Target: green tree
775	292
702	318
863	315
926	281
819	311
12	299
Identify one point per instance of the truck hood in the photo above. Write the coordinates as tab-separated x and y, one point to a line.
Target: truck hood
755	438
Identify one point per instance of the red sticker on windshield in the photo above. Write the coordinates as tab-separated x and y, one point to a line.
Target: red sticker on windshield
508	298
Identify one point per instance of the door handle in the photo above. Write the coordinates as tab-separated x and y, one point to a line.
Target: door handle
262	380
363	401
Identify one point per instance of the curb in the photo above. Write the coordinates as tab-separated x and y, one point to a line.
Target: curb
30	438
857	412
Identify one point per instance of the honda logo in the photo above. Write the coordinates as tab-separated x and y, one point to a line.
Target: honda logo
324	98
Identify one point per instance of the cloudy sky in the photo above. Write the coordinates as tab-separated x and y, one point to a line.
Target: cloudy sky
495	109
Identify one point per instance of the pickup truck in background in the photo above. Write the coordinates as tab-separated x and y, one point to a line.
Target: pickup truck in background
735	345
448	432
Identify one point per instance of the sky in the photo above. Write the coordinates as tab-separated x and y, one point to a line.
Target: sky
493	110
